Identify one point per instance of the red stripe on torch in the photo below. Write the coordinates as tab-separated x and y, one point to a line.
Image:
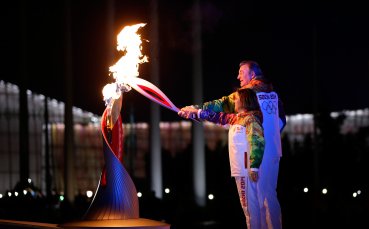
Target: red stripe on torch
155	95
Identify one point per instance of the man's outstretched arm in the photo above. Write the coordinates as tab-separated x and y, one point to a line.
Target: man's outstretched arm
224	104
208	115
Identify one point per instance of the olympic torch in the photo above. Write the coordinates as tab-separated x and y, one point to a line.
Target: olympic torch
116	195
115	201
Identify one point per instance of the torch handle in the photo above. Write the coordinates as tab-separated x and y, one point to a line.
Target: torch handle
193	116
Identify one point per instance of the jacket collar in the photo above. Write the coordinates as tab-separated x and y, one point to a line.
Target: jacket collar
259	85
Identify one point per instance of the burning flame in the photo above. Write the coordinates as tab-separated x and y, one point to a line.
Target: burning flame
129	41
111	91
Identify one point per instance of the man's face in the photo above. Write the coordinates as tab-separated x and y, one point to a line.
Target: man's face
244	75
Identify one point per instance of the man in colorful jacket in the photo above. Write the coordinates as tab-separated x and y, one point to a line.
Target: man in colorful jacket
274	120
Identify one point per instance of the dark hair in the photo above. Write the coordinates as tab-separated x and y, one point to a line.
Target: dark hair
248	99
254	66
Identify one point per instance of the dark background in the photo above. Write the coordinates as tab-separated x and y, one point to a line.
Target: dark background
306	49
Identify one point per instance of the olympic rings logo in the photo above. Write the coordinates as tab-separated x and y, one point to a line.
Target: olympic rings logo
270	107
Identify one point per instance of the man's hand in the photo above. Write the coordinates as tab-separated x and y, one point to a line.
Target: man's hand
188	112
254	175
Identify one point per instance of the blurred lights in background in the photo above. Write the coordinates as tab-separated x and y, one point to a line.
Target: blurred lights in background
355	194
325	191
89	193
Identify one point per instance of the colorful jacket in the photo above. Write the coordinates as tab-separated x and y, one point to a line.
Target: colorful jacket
226	103
252	121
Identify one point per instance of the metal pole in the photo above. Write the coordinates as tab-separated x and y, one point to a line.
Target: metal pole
156	163
69	181
199	176
315	134
23	103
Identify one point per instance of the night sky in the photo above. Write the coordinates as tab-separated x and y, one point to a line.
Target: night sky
291	42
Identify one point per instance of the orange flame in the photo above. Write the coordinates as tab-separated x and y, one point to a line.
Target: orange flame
129	41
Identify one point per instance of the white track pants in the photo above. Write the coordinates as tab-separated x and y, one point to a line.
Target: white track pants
267	184
247	191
